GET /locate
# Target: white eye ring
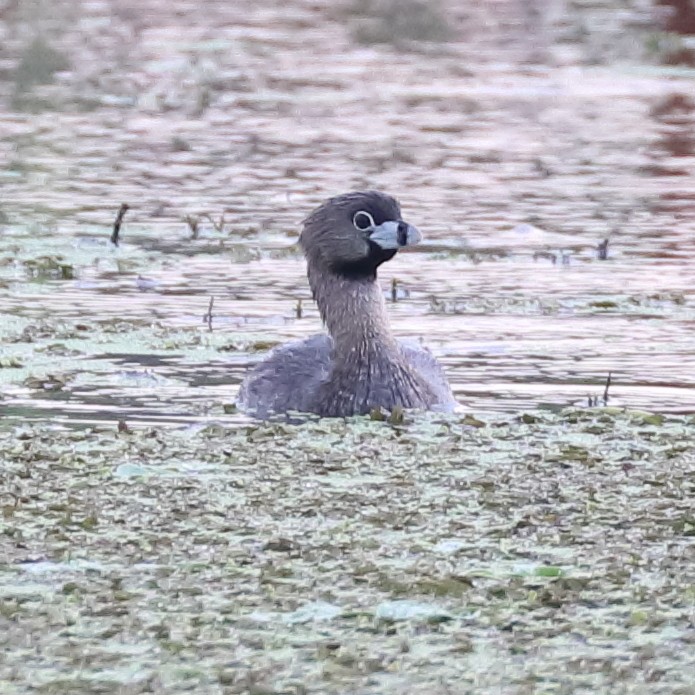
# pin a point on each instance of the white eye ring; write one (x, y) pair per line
(363, 221)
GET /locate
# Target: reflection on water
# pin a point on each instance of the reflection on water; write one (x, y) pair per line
(513, 333)
(515, 176)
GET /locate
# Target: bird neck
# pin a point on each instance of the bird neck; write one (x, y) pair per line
(354, 313)
(368, 368)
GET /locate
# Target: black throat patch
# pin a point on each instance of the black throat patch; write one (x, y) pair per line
(365, 268)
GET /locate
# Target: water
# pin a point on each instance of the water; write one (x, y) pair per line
(516, 158)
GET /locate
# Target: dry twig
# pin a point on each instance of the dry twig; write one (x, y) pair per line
(207, 317)
(117, 224)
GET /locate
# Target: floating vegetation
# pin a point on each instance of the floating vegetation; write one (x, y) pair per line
(342, 548)
(38, 64)
(49, 267)
(398, 22)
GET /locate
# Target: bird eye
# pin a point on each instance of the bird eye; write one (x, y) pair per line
(363, 221)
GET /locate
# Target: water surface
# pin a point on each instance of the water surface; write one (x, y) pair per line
(515, 164)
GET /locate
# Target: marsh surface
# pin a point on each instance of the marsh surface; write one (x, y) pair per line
(552, 554)
(525, 549)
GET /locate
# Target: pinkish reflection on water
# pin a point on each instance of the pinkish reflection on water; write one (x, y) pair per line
(517, 157)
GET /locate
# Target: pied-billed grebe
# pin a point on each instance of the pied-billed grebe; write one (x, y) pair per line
(359, 365)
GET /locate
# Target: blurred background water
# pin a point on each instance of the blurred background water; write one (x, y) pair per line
(546, 149)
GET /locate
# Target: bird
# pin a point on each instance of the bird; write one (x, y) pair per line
(358, 366)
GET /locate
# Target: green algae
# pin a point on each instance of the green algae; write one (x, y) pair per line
(335, 561)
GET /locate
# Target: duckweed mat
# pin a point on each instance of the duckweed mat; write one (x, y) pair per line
(548, 553)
